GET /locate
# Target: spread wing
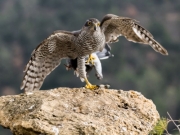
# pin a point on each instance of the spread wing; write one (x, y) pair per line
(114, 26)
(46, 57)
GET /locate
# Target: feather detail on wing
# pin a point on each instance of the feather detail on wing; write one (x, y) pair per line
(46, 57)
(114, 26)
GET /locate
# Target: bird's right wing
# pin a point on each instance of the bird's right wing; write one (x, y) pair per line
(46, 57)
(114, 26)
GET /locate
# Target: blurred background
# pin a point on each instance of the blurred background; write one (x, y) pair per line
(25, 23)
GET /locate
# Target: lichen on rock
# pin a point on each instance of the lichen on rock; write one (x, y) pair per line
(76, 111)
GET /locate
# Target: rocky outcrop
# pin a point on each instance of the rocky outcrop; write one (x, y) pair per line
(78, 111)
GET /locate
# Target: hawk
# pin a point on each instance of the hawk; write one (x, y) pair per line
(91, 38)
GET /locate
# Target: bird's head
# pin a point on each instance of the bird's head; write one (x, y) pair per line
(92, 24)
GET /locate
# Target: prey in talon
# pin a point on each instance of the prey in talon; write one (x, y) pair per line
(97, 57)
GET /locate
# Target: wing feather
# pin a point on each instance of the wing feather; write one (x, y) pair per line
(114, 26)
(46, 57)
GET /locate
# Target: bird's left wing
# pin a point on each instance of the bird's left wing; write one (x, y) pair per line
(114, 26)
(46, 57)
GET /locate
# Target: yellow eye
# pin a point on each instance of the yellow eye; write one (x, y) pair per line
(89, 23)
(98, 24)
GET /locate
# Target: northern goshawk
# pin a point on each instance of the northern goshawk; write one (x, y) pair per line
(90, 38)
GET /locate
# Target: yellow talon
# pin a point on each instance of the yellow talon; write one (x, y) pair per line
(90, 59)
(90, 86)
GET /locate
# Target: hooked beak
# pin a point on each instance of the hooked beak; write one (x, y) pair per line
(95, 26)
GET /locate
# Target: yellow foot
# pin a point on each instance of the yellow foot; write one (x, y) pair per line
(90, 59)
(91, 87)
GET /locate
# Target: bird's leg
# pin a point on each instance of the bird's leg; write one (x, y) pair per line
(90, 59)
(90, 86)
(82, 73)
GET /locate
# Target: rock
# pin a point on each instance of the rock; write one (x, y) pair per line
(78, 111)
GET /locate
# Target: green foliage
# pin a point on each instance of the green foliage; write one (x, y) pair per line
(160, 127)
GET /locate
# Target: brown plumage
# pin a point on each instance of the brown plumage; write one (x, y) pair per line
(46, 57)
(78, 44)
(115, 26)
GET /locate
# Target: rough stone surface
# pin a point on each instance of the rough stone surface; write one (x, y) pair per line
(78, 111)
